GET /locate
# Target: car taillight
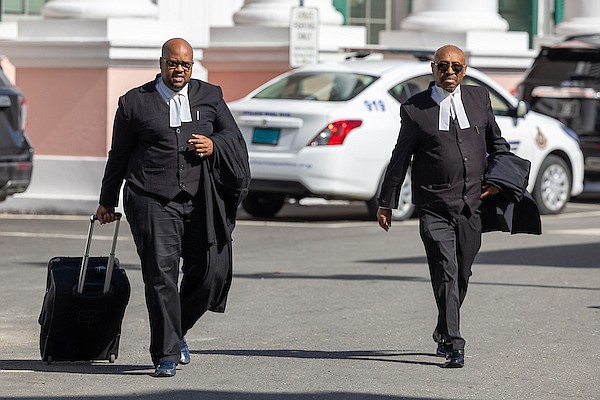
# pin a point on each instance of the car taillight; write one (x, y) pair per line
(23, 116)
(335, 133)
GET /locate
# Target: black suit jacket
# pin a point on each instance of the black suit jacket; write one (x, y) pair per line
(151, 155)
(447, 166)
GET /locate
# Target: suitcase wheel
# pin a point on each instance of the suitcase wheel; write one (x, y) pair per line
(112, 358)
(49, 360)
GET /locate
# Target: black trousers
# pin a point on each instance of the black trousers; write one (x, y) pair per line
(164, 232)
(451, 244)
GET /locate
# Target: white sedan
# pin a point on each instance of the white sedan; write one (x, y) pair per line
(328, 131)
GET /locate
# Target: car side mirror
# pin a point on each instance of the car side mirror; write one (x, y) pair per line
(522, 109)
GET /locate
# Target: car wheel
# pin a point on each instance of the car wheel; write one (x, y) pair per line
(405, 208)
(260, 204)
(552, 188)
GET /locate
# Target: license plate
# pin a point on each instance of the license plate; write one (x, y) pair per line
(266, 136)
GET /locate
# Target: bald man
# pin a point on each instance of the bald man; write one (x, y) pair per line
(446, 131)
(185, 167)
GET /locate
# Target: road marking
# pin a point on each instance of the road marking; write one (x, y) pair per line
(583, 214)
(320, 225)
(38, 235)
(16, 371)
(584, 232)
(46, 217)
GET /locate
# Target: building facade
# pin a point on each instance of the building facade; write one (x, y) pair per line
(74, 58)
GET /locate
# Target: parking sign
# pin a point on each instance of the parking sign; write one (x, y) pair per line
(304, 28)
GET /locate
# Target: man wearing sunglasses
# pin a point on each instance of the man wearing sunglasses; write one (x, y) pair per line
(185, 166)
(446, 131)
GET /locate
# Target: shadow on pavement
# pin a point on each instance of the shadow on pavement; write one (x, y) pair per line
(366, 355)
(222, 395)
(355, 211)
(335, 277)
(382, 277)
(567, 256)
(79, 367)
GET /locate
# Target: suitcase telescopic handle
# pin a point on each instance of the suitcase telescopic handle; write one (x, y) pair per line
(86, 255)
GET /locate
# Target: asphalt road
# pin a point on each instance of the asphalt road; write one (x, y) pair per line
(326, 305)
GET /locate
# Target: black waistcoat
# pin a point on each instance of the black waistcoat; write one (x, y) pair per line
(150, 154)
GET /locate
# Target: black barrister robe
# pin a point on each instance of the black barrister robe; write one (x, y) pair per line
(224, 183)
(513, 209)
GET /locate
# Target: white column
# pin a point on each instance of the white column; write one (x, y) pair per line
(580, 16)
(455, 16)
(99, 9)
(276, 13)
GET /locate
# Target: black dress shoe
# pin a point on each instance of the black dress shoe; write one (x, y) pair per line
(443, 349)
(456, 359)
(185, 352)
(165, 369)
(444, 344)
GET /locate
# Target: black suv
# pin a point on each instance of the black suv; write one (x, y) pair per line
(564, 82)
(16, 153)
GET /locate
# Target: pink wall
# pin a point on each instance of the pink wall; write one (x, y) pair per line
(120, 81)
(66, 109)
(71, 110)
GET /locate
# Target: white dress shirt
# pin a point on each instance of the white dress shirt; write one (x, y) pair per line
(451, 107)
(179, 103)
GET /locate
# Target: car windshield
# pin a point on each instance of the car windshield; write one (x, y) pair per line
(322, 86)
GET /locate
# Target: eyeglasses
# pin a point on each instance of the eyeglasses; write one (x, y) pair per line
(186, 65)
(443, 67)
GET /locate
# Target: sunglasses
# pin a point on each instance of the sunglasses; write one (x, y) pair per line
(186, 65)
(444, 66)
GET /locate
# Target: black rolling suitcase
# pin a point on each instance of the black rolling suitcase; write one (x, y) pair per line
(83, 306)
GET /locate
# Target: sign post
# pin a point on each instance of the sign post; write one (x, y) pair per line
(304, 30)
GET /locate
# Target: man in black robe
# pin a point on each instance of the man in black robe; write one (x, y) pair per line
(447, 132)
(185, 167)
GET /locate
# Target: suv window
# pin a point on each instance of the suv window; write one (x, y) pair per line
(323, 86)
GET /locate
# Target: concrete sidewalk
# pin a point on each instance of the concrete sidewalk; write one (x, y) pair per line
(331, 310)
